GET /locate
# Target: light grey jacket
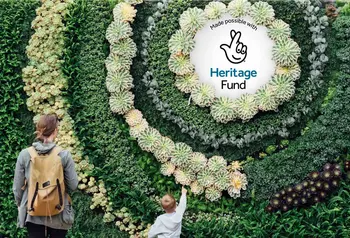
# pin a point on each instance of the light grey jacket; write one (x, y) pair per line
(169, 225)
(65, 219)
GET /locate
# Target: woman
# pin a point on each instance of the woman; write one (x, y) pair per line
(39, 226)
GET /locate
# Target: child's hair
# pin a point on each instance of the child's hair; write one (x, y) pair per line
(168, 202)
(46, 125)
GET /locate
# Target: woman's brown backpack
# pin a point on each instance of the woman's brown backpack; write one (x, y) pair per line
(46, 188)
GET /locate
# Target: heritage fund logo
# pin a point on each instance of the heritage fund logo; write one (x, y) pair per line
(236, 51)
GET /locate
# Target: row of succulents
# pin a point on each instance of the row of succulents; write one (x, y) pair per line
(45, 85)
(317, 59)
(285, 53)
(178, 159)
(316, 188)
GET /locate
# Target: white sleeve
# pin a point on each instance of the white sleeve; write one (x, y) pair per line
(180, 210)
(153, 232)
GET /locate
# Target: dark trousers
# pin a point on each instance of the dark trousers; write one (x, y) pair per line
(38, 231)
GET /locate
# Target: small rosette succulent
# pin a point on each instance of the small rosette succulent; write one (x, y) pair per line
(118, 81)
(205, 178)
(285, 52)
(192, 20)
(181, 155)
(124, 12)
(133, 117)
(217, 164)
(180, 64)
(203, 95)
(135, 131)
(293, 71)
(222, 180)
(184, 176)
(279, 29)
(262, 13)
(198, 162)
(149, 139)
(223, 110)
(181, 42)
(266, 98)
(284, 87)
(125, 47)
(238, 182)
(238, 8)
(214, 10)
(186, 83)
(118, 30)
(122, 102)
(246, 106)
(116, 62)
(167, 169)
(164, 149)
(212, 194)
(196, 188)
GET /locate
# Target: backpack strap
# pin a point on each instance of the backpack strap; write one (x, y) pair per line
(32, 152)
(56, 150)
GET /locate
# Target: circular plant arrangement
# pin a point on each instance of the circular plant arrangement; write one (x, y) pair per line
(212, 175)
(285, 54)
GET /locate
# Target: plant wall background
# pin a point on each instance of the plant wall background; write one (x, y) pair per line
(277, 149)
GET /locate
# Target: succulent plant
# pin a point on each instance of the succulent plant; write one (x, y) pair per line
(133, 117)
(205, 178)
(326, 175)
(196, 188)
(292, 71)
(223, 110)
(262, 13)
(279, 29)
(134, 2)
(164, 149)
(118, 81)
(238, 182)
(181, 155)
(149, 139)
(118, 30)
(186, 83)
(192, 20)
(283, 86)
(314, 175)
(125, 47)
(167, 169)
(181, 42)
(203, 95)
(222, 180)
(327, 167)
(234, 166)
(266, 98)
(275, 203)
(122, 102)
(217, 164)
(246, 106)
(124, 12)
(180, 64)
(135, 131)
(239, 8)
(214, 10)
(285, 52)
(184, 176)
(116, 62)
(212, 194)
(197, 162)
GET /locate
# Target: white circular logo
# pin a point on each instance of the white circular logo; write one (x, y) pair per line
(234, 55)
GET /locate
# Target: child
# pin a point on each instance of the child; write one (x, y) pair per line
(169, 224)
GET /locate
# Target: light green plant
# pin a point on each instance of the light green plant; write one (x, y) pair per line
(285, 52)
(184, 176)
(279, 29)
(217, 164)
(180, 64)
(124, 12)
(125, 47)
(133, 117)
(198, 162)
(196, 188)
(283, 86)
(266, 98)
(293, 71)
(181, 155)
(247, 106)
(149, 139)
(118, 81)
(214, 10)
(167, 169)
(223, 109)
(192, 20)
(222, 180)
(164, 149)
(181, 42)
(186, 83)
(212, 194)
(122, 102)
(239, 8)
(116, 62)
(203, 95)
(262, 13)
(118, 30)
(135, 131)
(205, 178)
